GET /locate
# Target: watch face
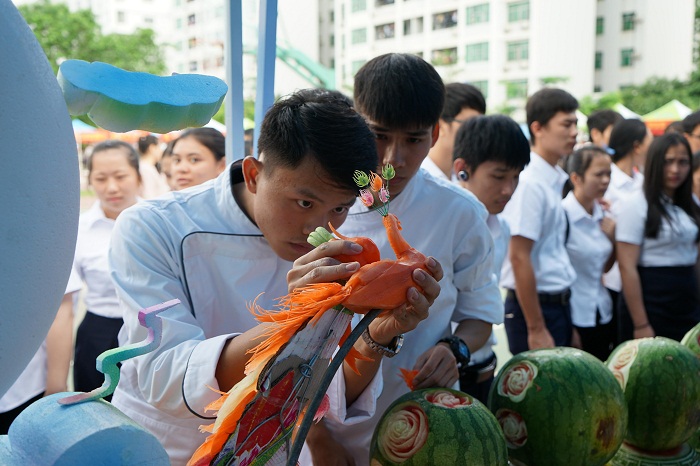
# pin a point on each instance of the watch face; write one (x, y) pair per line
(463, 351)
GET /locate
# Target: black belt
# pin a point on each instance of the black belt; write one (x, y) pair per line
(548, 298)
(477, 373)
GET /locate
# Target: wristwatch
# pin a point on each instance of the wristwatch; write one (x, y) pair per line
(460, 351)
(387, 351)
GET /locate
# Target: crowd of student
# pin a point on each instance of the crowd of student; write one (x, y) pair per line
(491, 209)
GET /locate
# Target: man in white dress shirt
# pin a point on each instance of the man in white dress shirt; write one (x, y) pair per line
(538, 273)
(462, 102)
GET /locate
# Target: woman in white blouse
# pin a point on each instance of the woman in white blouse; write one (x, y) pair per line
(589, 243)
(657, 245)
(113, 173)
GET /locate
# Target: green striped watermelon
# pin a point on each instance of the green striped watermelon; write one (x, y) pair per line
(661, 381)
(559, 406)
(692, 341)
(437, 426)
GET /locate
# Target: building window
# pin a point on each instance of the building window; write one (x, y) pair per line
(331, 40)
(598, 60)
(148, 20)
(598, 88)
(445, 20)
(599, 25)
(178, 23)
(331, 16)
(518, 11)
(358, 5)
(483, 86)
(383, 2)
(384, 31)
(413, 26)
(191, 20)
(442, 57)
(478, 14)
(626, 57)
(192, 42)
(628, 21)
(193, 66)
(518, 50)
(477, 52)
(356, 65)
(516, 89)
(121, 17)
(358, 36)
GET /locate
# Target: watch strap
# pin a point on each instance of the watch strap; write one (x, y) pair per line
(387, 351)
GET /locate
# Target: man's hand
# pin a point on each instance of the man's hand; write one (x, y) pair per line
(437, 367)
(539, 338)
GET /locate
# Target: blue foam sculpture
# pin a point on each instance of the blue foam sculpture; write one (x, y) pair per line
(94, 433)
(120, 100)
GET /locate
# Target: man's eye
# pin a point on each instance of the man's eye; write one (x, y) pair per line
(340, 210)
(304, 204)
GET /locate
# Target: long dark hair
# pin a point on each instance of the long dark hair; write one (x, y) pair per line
(625, 136)
(578, 162)
(654, 184)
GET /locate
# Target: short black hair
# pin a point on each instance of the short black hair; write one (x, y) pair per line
(145, 142)
(495, 138)
(625, 134)
(654, 184)
(459, 96)
(322, 125)
(691, 122)
(399, 91)
(545, 103)
(132, 157)
(675, 127)
(210, 138)
(602, 119)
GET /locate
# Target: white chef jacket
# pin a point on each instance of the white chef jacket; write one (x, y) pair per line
(589, 249)
(198, 246)
(447, 222)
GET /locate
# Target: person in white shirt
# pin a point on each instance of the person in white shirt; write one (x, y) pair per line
(439, 219)
(691, 130)
(198, 155)
(152, 183)
(538, 273)
(657, 245)
(696, 178)
(629, 142)
(113, 174)
(489, 154)
(462, 102)
(218, 245)
(600, 124)
(47, 371)
(589, 243)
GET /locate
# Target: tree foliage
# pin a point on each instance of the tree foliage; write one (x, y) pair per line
(76, 35)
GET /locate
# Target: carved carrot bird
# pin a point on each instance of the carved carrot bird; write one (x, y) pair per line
(257, 418)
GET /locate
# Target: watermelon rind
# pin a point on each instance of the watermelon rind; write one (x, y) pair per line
(661, 381)
(437, 426)
(572, 412)
(627, 456)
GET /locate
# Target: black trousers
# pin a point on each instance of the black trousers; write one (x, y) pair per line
(8, 417)
(557, 318)
(599, 340)
(96, 334)
(670, 297)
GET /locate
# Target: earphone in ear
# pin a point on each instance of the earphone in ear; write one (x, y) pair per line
(462, 175)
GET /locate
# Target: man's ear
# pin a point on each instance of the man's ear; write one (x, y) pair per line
(436, 133)
(535, 128)
(252, 168)
(459, 165)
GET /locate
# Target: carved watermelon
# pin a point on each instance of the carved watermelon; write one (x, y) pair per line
(661, 381)
(559, 406)
(437, 426)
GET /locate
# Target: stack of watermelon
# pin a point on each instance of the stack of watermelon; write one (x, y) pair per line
(559, 406)
(437, 426)
(661, 382)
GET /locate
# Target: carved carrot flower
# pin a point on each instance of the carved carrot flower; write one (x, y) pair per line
(384, 195)
(361, 179)
(366, 197)
(376, 182)
(376, 185)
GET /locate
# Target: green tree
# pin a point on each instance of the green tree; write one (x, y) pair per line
(76, 35)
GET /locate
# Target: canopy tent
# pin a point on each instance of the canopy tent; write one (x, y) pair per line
(657, 120)
(625, 112)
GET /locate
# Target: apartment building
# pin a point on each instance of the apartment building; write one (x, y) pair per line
(511, 48)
